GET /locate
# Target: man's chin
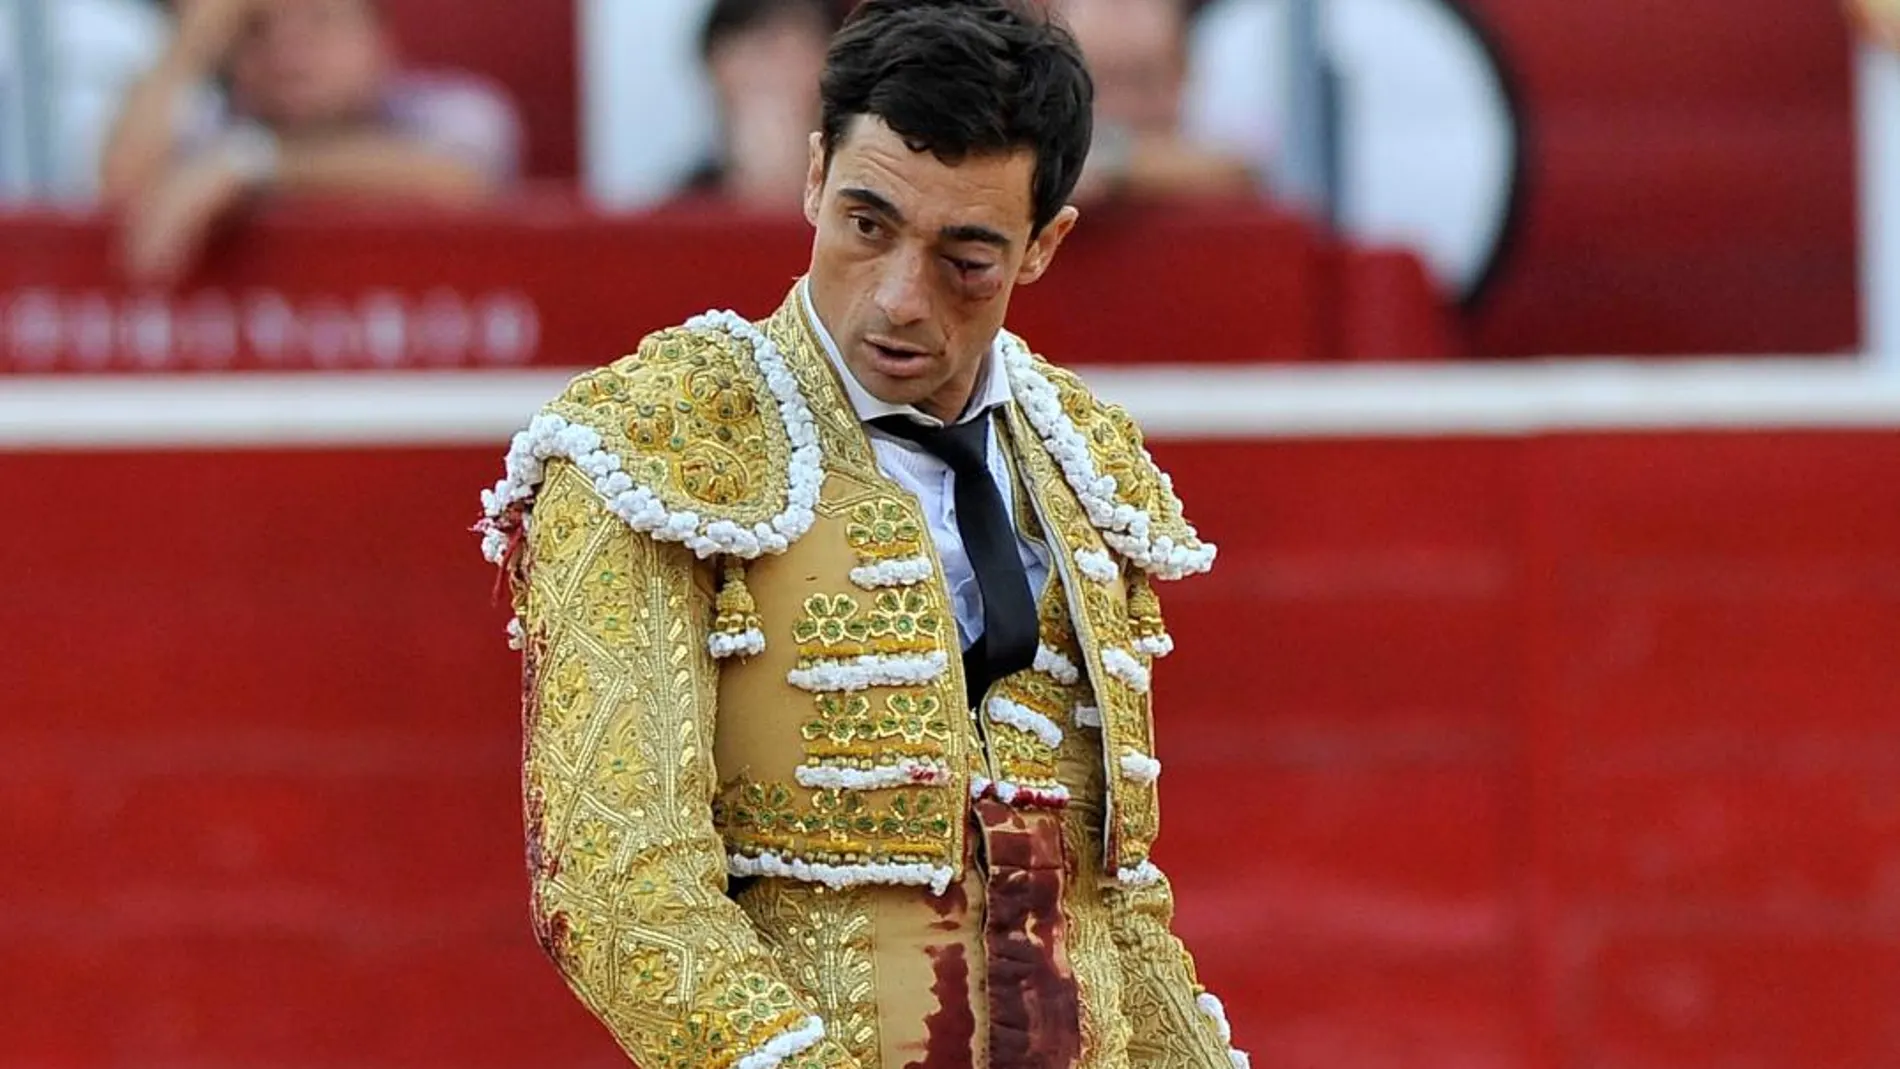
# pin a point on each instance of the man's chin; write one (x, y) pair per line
(895, 389)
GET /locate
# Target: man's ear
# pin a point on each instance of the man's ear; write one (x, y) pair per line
(815, 178)
(1042, 248)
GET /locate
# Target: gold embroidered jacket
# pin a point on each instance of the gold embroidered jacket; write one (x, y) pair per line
(763, 828)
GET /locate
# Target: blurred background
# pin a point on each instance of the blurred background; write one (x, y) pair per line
(1536, 365)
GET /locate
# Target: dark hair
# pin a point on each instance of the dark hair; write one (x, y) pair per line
(966, 77)
(730, 18)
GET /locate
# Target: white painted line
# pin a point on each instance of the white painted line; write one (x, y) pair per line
(1172, 403)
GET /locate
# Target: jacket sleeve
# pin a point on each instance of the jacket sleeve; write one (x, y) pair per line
(1177, 1023)
(628, 872)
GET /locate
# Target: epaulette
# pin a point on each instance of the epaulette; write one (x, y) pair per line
(1128, 498)
(700, 437)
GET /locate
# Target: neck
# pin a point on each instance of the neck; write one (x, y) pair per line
(950, 403)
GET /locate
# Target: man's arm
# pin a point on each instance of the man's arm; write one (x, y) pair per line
(628, 871)
(167, 226)
(384, 166)
(145, 135)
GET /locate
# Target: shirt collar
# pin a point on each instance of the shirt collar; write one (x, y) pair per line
(992, 385)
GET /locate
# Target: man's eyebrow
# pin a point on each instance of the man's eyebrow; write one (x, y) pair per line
(982, 235)
(877, 202)
(882, 205)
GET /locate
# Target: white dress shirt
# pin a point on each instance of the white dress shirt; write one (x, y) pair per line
(907, 464)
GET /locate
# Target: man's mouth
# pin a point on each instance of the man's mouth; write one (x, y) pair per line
(897, 359)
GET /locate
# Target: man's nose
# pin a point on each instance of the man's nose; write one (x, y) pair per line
(903, 294)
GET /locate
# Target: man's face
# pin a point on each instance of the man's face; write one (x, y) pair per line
(1137, 53)
(915, 260)
(310, 62)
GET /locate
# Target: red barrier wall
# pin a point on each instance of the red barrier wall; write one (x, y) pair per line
(1690, 181)
(1574, 750)
(542, 281)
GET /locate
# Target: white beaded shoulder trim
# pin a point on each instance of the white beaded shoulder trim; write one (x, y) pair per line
(785, 1045)
(550, 436)
(915, 874)
(1123, 526)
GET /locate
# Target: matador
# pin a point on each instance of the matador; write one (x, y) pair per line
(838, 627)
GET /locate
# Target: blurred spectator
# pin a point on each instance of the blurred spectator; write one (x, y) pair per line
(1138, 52)
(64, 66)
(763, 58)
(308, 99)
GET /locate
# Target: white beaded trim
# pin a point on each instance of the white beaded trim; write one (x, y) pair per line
(886, 573)
(549, 436)
(870, 670)
(1211, 1007)
(517, 635)
(1123, 666)
(747, 643)
(1096, 565)
(1140, 768)
(1157, 646)
(1021, 797)
(909, 772)
(1087, 716)
(1023, 718)
(1057, 666)
(785, 1045)
(915, 874)
(1142, 875)
(1124, 527)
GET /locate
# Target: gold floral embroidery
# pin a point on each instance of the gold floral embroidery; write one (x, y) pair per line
(1023, 759)
(840, 827)
(831, 621)
(913, 718)
(899, 622)
(691, 417)
(905, 617)
(884, 529)
(845, 727)
(824, 938)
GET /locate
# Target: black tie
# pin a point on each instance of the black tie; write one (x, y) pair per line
(1008, 641)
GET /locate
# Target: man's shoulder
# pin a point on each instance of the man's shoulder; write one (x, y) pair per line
(1105, 457)
(676, 365)
(687, 439)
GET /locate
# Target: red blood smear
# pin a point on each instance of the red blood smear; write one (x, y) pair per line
(1035, 1011)
(950, 1031)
